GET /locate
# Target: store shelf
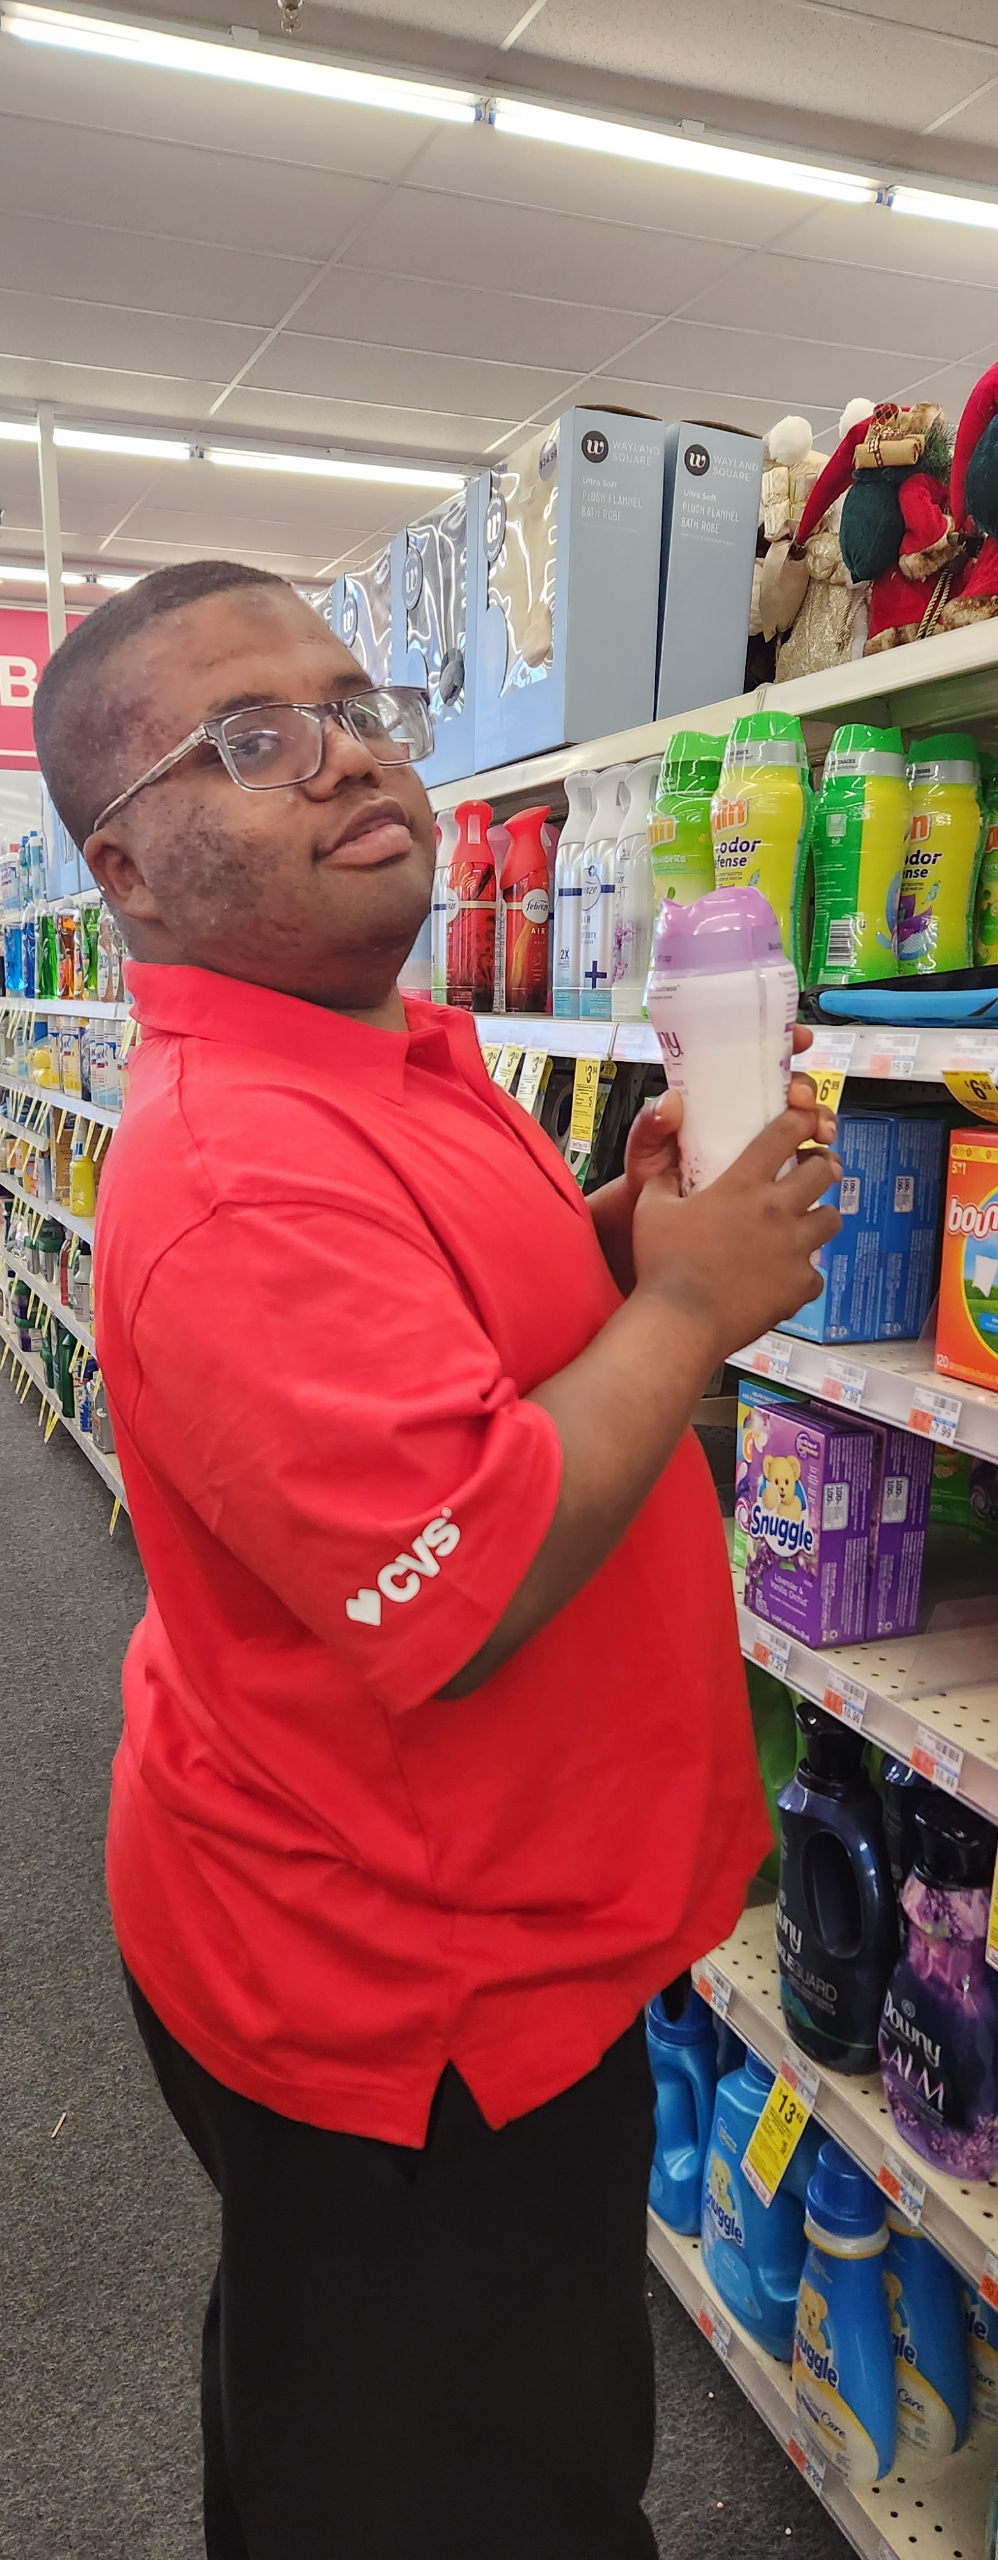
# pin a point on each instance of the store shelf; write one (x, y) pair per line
(888, 1380)
(50, 1298)
(948, 678)
(919, 2509)
(107, 1468)
(56, 1100)
(883, 1054)
(888, 1689)
(47, 1208)
(962, 2220)
(79, 1007)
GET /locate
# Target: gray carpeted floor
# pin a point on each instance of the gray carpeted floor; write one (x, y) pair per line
(107, 2230)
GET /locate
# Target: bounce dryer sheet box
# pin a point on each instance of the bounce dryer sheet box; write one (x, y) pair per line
(568, 598)
(710, 520)
(912, 1229)
(436, 574)
(901, 1500)
(808, 1534)
(851, 1267)
(967, 1325)
(359, 610)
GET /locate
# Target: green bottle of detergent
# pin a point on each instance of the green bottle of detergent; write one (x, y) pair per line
(942, 856)
(682, 851)
(986, 907)
(761, 817)
(860, 831)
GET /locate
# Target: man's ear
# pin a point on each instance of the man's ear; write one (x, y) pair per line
(119, 878)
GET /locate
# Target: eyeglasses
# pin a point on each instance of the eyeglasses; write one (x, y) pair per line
(276, 743)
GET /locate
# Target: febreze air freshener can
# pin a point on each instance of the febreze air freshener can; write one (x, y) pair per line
(942, 856)
(760, 817)
(860, 831)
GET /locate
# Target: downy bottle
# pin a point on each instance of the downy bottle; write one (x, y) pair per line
(836, 1918)
(682, 2052)
(939, 2031)
(598, 877)
(904, 1790)
(565, 958)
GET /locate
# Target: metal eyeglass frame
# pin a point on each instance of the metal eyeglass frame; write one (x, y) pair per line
(211, 733)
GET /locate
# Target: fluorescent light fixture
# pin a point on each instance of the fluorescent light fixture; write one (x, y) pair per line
(105, 579)
(151, 448)
(677, 151)
(974, 210)
(320, 467)
(32, 576)
(305, 75)
(11, 432)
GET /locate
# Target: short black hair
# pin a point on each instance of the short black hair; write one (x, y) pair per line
(80, 739)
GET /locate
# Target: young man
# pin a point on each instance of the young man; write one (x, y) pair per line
(436, 1758)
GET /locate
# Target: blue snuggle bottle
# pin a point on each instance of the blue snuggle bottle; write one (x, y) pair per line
(683, 2056)
(753, 2253)
(931, 2358)
(843, 2363)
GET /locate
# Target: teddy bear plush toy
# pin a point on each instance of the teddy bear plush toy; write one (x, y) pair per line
(974, 488)
(897, 528)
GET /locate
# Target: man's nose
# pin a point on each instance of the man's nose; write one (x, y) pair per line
(344, 759)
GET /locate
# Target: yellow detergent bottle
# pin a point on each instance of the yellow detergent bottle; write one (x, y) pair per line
(761, 817)
(82, 1185)
(942, 856)
(679, 826)
(986, 905)
(860, 833)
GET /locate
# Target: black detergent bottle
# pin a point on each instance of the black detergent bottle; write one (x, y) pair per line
(904, 1790)
(836, 1916)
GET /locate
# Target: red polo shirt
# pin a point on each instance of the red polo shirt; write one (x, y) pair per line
(331, 1264)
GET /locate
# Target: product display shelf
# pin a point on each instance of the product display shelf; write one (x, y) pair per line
(107, 1468)
(49, 1297)
(57, 1100)
(893, 1381)
(78, 1007)
(921, 2507)
(894, 1691)
(742, 1983)
(943, 681)
(46, 1208)
(884, 1054)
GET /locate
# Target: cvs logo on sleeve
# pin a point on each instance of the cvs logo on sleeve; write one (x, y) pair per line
(405, 1575)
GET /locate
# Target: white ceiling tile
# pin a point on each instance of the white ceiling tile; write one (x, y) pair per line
(262, 529)
(417, 434)
(465, 242)
(679, 400)
(142, 273)
(463, 320)
(64, 171)
(88, 333)
(950, 384)
(977, 122)
(233, 498)
(851, 305)
(792, 372)
(973, 18)
(83, 391)
(342, 369)
(477, 161)
(897, 243)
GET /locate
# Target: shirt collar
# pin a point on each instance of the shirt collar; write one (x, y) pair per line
(203, 1004)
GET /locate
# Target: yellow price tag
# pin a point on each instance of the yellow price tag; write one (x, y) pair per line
(788, 2107)
(491, 1057)
(534, 1077)
(585, 1091)
(974, 1089)
(505, 1073)
(828, 1082)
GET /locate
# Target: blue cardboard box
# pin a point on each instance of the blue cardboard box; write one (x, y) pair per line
(710, 521)
(912, 1231)
(851, 1266)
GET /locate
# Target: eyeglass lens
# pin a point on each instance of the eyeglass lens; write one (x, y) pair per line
(280, 743)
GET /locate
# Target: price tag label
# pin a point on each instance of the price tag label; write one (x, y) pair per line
(789, 2105)
(770, 1649)
(901, 2186)
(534, 1076)
(712, 1987)
(771, 1355)
(845, 1698)
(585, 1091)
(491, 1057)
(810, 2464)
(935, 1415)
(988, 2286)
(504, 1072)
(843, 1383)
(828, 1082)
(896, 1055)
(716, 2329)
(939, 1761)
(974, 1088)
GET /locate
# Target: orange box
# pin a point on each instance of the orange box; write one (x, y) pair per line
(967, 1330)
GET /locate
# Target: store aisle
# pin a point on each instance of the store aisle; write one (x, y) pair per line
(108, 2229)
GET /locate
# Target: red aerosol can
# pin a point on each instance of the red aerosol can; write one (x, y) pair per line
(471, 911)
(526, 915)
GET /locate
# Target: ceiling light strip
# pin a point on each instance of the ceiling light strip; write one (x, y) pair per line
(678, 151)
(319, 466)
(303, 75)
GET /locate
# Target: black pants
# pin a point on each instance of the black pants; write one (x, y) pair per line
(426, 2355)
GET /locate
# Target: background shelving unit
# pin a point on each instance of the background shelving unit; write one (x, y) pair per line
(106, 1467)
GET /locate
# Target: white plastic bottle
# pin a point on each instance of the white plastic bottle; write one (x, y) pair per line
(634, 894)
(568, 894)
(446, 840)
(723, 998)
(598, 885)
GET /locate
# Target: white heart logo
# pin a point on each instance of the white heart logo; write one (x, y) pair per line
(366, 1608)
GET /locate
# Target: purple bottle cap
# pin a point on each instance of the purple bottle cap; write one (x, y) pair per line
(726, 929)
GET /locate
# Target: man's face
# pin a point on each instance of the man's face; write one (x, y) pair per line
(318, 889)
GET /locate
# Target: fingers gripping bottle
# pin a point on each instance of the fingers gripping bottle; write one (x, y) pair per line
(761, 817)
(860, 831)
(633, 896)
(722, 998)
(565, 956)
(942, 856)
(447, 834)
(682, 847)
(471, 911)
(526, 915)
(598, 888)
(843, 2361)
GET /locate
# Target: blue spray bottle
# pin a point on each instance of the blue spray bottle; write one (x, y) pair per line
(683, 2056)
(753, 2252)
(931, 2363)
(843, 2361)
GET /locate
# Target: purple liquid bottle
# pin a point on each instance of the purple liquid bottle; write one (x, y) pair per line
(939, 2028)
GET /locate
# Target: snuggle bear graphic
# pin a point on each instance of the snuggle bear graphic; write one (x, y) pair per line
(812, 2312)
(782, 1491)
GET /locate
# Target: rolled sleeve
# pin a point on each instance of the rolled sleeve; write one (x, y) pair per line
(318, 1389)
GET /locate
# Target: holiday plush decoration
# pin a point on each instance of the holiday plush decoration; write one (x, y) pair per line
(831, 625)
(790, 469)
(896, 529)
(975, 503)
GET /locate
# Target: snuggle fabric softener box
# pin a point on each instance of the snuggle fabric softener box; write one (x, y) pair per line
(900, 1519)
(808, 1531)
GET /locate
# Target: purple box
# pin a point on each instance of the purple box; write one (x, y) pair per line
(902, 1492)
(808, 1539)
